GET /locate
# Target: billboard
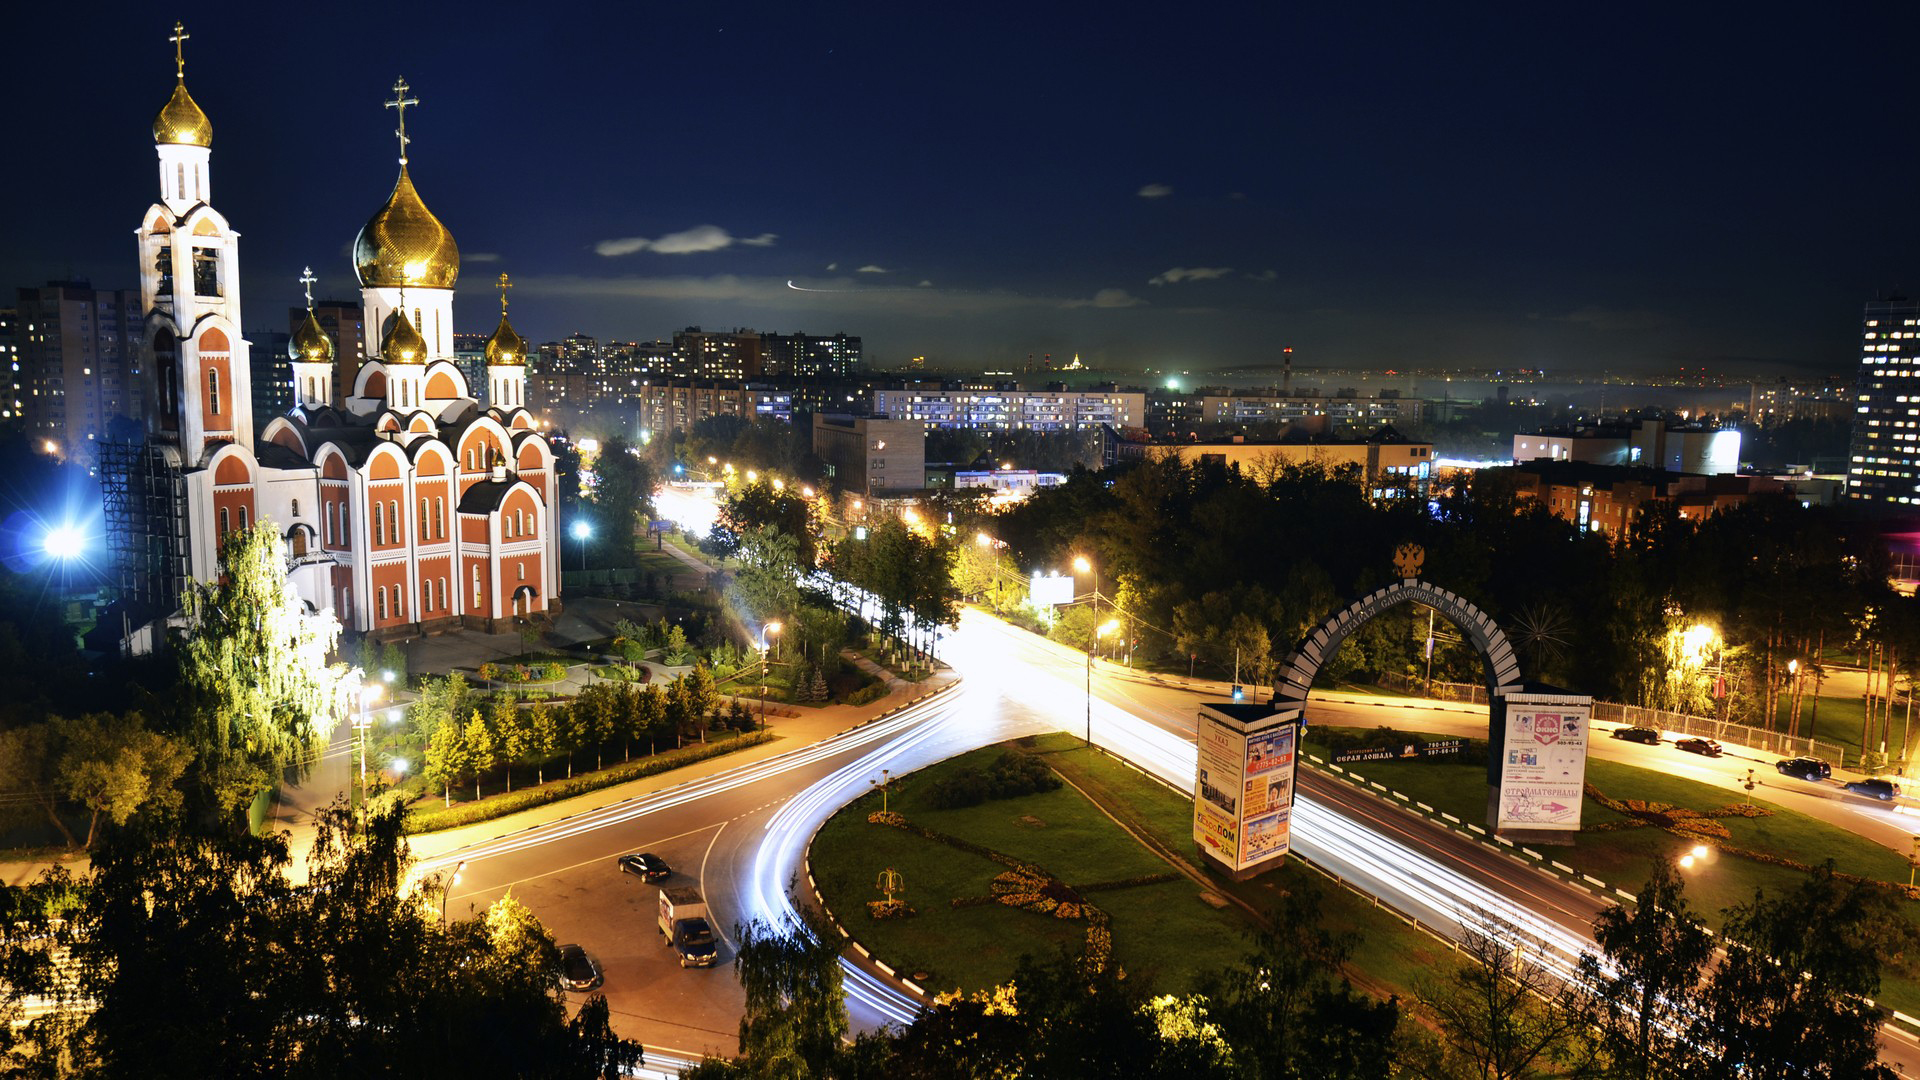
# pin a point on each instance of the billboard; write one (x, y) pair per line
(1243, 784)
(1544, 770)
(1051, 590)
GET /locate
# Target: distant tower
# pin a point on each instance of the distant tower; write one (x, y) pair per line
(506, 361)
(1884, 471)
(190, 287)
(311, 352)
(1286, 371)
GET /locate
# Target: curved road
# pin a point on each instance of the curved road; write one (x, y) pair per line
(741, 835)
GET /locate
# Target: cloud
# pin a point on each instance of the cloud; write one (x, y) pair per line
(688, 242)
(873, 268)
(480, 256)
(1601, 318)
(1155, 191)
(1264, 275)
(831, 267)
(1190, 273)
(1109, 298)
(925, 285)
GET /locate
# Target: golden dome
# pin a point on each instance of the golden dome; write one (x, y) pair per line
(181, 120)
(505, 346)
(401, 343)
(310, 344)
(404, 245)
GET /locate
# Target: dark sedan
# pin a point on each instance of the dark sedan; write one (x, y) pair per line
(1704, 747)
(578, 969)
(1806, 768)
(1647, 735)
(1874, 788)
(650, 867)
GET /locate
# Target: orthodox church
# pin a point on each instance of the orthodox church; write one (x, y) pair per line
(405, 508)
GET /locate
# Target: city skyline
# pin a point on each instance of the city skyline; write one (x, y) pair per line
(1189, 196)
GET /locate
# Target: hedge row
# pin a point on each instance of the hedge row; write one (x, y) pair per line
(426, 818)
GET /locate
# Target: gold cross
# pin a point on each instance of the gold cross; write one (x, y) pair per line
(399, 104)
(180, 35)
(504, 286)
(307, 279)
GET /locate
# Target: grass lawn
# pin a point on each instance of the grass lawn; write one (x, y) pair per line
(1165, 933)
(1623, 858)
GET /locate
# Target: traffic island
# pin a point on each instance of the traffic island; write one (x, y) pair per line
(1061, 871)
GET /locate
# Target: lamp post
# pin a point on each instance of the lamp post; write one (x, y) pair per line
(1099, 632)
(581, 530)
(448, 888)
(1085, 566)
(369, 693)
(770, 630)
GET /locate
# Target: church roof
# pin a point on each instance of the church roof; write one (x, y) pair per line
(484, 497)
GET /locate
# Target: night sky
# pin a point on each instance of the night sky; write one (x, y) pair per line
(1579, 188)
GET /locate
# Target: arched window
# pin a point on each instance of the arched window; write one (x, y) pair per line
(508, 522)
(243, 517)
(180, 181)
(426, 523)
(476, 587)
(440, 516)
(296, 508)
(393, 519)
(443, 592)
(379, 525)
(213, 391)
(225, 526)
(383, 601)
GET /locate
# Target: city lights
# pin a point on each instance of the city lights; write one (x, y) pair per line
(64, 542)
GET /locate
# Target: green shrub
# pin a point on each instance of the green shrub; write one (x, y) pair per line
(1014, 774)
(867, 695)
(423, 819)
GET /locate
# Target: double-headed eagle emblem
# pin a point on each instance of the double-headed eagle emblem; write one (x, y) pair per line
(1408, 558)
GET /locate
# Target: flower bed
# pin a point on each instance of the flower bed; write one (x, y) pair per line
(552, 671)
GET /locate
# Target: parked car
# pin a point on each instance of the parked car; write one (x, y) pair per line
(1650, 736)
(649, 866)
(578, 969)
(1874, 788)
(1806, 768)
(1704, 747)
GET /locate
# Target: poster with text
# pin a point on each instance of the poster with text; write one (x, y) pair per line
(1543, 776)
(1216, 790)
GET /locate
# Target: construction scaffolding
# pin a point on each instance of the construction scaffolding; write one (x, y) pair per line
(143, 501)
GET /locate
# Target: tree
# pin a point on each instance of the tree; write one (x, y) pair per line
(623, 497)
(446, 758)
(509, 726)
(767, 579)
(1790, 997)
(542, 740)
(570, 732)
(697, 697)
(650, 708)
(480, 750)
(113, 765)
(1641, 998)
(345, 973)
(28, 756)
(761, 506)
(795, 1013)
(258, 690)
(597, 711)
(1498, 1010)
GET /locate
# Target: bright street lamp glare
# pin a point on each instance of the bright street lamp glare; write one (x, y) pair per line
(1109, 627)
(387, 675)
(1686, 862)
(1081, 564)
(1699, 851)
(400, 766)
(64, 542)
(582, 530)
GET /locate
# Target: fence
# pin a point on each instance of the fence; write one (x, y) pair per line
(1753, 738)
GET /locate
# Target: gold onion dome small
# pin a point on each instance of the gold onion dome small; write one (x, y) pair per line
(403, 244)
(310, 343)
(181, 121)
(505, 346)
(402, 344)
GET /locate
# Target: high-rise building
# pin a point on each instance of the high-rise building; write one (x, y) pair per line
(703, 354)
(1884, 459)
(272, 372)
(80, 350)
(872, 455)
(809, 356)
(10, 405)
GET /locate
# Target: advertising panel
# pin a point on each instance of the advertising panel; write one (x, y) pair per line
(1051, 590)
(1267, 795)
(1543, 776)
(1216, 792)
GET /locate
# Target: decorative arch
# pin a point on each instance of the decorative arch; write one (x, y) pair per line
(231, 467)
(1297, 671)
(385, 463)
(440, 387)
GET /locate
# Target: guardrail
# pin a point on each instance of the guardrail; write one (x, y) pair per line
(1759, 740)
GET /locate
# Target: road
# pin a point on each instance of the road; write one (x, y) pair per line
(741, 835)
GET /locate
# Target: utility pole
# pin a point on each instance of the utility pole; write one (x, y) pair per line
(1429, 652)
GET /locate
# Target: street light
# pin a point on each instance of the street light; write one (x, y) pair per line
(772, 629)
(1099, 632)
(64, 542)
(448, 888)
(1085, 566)
(581, 530)
(369, 693)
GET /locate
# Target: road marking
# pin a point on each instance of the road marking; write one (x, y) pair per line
(617, 852)
(703, 876)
